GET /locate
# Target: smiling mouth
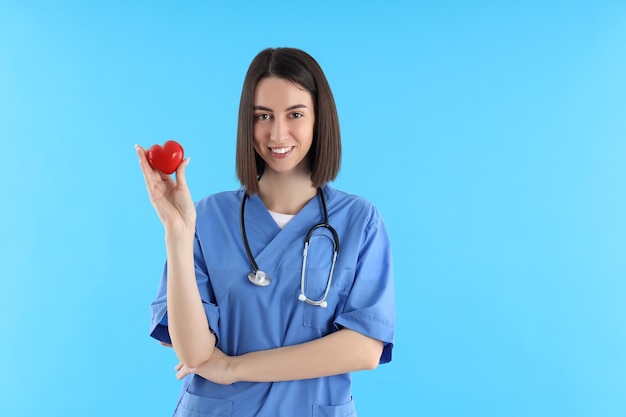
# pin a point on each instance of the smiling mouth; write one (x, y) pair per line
(281, 151)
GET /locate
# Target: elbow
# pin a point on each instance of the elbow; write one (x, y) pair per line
(366, 351)
(195, 358)
(371, 358)
(193, 353)
(371, 363)
(194, 364)
(194, 361)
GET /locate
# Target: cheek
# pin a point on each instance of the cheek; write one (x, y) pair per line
(305, 132)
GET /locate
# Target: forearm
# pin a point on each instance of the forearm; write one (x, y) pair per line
(189, 330)
(340, 352)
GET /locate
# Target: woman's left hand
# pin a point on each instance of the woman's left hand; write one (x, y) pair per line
(217, 369)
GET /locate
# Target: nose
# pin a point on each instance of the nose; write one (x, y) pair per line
(279, 130)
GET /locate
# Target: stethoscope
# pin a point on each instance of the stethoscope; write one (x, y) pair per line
(260, 278)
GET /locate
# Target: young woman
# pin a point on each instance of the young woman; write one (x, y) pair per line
(273, 294)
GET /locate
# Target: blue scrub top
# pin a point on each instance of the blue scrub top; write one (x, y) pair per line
(247, 318)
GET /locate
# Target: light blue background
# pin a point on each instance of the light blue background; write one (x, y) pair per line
(491, 135)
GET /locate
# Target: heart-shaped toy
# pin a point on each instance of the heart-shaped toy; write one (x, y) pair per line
(165, 158)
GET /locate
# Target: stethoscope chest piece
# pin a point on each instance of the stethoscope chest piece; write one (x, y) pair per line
(259, 278)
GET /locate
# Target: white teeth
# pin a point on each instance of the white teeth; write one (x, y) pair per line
(282, 150)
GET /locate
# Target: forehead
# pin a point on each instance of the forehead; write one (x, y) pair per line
(279, 92)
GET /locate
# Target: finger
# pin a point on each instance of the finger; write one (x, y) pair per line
(142, 154)
(150, 175)
(166, 178)
(140, 150)
(181, 179)
(153, 177)
(179, 366)
(165, 344)
(183, 373)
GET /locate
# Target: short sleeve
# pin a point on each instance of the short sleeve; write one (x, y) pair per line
(370, 307)
(159, 327)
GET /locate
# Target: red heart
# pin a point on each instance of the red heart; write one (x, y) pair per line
(166, 158)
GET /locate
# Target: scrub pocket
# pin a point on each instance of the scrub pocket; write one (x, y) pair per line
(315, 285)
(191, 405)
(344, 410)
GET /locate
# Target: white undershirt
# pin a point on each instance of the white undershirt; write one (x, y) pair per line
(281, 219)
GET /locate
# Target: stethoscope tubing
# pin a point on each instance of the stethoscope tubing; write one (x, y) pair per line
(242, 225)
(260, 278)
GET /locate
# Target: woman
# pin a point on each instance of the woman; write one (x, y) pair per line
(262, 329)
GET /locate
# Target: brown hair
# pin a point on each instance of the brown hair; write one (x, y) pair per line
(302, 69)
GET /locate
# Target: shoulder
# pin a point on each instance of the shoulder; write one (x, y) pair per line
(222, 201)
(342, 200)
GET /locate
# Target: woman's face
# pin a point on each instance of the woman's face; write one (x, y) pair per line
(284, 119)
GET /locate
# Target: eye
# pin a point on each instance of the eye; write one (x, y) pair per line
(262, 116)
(296, 115)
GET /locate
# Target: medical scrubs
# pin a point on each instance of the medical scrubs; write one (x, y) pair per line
(247, 318)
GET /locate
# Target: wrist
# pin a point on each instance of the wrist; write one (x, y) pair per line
(233, 369)
(175, 234)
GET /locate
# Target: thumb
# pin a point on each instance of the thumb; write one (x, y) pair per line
(180, 173)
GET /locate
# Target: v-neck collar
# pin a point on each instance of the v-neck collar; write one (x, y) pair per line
(266, 238)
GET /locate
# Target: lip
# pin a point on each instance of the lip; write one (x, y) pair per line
(282, 155)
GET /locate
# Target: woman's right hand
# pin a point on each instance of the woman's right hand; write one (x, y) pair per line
(171, 198)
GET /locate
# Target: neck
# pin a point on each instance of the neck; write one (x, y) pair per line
(285, 194)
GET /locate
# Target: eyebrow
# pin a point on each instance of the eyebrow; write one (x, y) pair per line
(295, 106)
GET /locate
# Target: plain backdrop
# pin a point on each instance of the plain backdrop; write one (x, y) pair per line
(491, 136)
